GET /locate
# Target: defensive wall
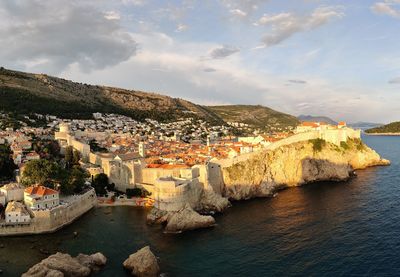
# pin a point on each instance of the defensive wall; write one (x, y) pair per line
(51, 220)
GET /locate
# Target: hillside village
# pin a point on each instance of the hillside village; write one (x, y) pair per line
(148, 163)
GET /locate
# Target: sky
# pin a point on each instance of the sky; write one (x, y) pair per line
(334, 58)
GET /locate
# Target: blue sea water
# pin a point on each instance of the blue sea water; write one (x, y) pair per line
(325, 229)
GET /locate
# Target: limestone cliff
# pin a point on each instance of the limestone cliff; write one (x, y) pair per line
(296, 164)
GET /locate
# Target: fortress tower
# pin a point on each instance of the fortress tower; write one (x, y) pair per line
(142, 150)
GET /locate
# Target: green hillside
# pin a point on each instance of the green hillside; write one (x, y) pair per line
(393, 127)
(25, 93)
(256, 116)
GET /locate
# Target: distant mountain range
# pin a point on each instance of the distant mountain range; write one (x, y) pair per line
(364, 125)
(25, 93)
(312, 118)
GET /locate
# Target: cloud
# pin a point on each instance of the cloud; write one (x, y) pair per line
(285, 25)
(386, 8)
(181, 28)
(242, 8)
(209, 69)
(180, 73)
(296, 81)
(57, 37)
(112, 15)
(223, 52)
(272, 19)
(134, 2)
(394, 80)
(238, 12)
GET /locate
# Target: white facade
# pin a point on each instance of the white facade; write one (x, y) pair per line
(40, 197)
(16, 213)
(2, 199)
(172, 194)
(13, 192)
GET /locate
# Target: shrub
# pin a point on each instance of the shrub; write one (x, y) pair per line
(344, 145)
(318, 144)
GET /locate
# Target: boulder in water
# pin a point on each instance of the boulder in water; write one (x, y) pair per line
(59, 265)
(143, 263)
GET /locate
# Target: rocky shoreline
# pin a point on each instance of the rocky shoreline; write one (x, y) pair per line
(142, 263)
(269, 171)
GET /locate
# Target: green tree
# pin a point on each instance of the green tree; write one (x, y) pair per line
(74, 182)
(7, 165)
(100, 182)
(43, 172)
(76, 157)
(69, 156)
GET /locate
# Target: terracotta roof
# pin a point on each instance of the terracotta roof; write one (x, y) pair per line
(40, 190)
(309, 124)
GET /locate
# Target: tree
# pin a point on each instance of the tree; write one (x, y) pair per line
(7, 165)
(43, 172)
(75, 181)
(100, 182)
(76, 157)
(69, 155)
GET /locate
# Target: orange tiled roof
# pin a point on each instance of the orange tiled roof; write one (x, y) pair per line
(309, 124)
(40, 190)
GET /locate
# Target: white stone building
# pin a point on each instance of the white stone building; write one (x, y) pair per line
(2, 199)
(13, 192)
(16, 213)
(172, 194)
(40, 197)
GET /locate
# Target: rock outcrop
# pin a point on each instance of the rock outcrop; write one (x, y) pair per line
(143, 263)
(294, 165)
(188, 219)
(61, 264)
(212, 202)
(183, 220)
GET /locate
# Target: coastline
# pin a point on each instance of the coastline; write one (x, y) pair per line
(382, 134)
(52, 220)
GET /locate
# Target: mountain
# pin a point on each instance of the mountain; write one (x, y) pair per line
(326, 119)
(393, 127)
(364, 125)
(255, 116)
(26, 93)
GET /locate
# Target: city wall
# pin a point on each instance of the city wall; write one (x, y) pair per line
(48, 221)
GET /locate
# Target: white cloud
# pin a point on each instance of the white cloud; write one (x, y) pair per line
(268, 19)
(170, 67)
(41, 30)
(134, 2)
(386, 8)
(285, 25)
(181, 28)
(242, 8)
(238, 12)
(112, 15)
(223, 52)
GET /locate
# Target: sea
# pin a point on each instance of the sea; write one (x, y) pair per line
(348, 228)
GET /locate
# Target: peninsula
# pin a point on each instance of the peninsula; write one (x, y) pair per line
(57, 167)
(391, 129)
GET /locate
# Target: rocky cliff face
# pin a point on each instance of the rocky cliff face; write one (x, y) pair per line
(296, 164)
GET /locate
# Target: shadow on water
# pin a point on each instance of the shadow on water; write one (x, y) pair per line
(331, 229)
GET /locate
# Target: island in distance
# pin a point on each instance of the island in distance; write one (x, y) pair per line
(183, 162)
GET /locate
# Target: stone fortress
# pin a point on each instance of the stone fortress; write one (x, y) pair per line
(173, 186)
